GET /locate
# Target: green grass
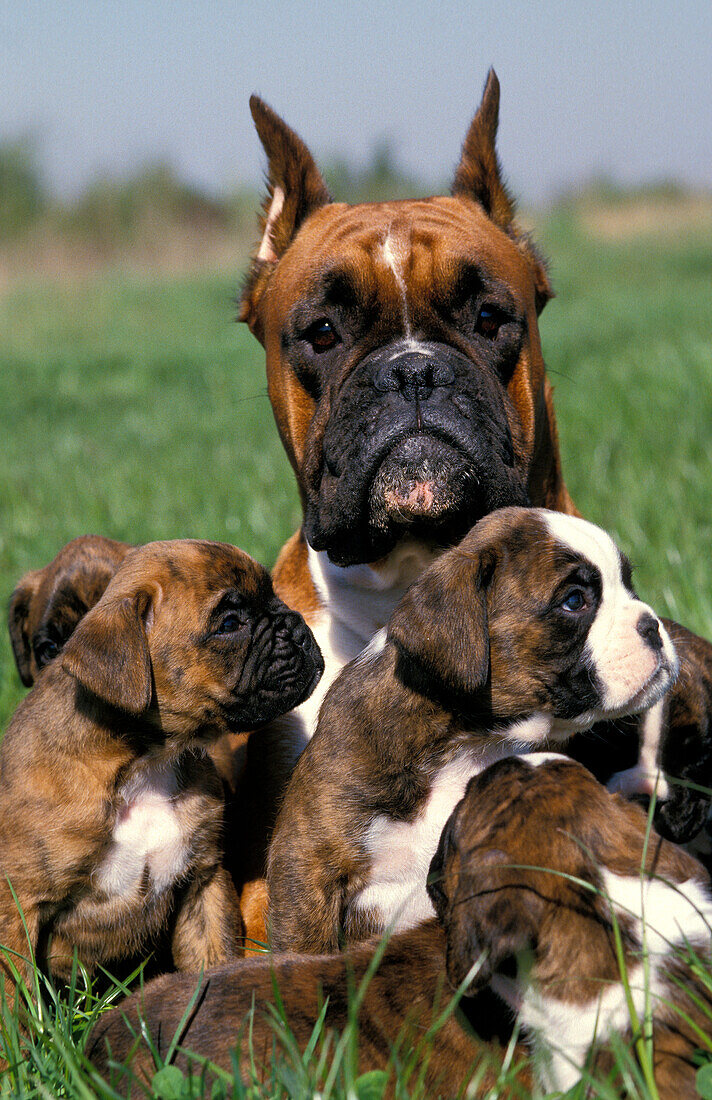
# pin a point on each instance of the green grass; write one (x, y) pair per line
(138, 409)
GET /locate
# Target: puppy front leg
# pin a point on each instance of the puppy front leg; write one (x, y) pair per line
(208, 928)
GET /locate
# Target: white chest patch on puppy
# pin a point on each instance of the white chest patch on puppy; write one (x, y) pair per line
(147, 841)
(401, 851)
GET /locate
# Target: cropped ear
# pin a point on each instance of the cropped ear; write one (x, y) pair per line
(440, 626)
(108, 652)
(493, 920)
(18, 614)
(295, 189)
(478, 174)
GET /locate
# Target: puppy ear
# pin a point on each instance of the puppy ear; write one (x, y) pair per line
(494, 920)
(108, 652)
(440, 626)
(18, 613)
(478, 174)
(295, 189)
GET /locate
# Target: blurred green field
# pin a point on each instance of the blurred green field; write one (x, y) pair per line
(138, 409)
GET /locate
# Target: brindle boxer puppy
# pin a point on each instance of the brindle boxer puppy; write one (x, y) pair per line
(524, 633)
(110, 809)
(48, 603)
(402, 1000)
(535, 865)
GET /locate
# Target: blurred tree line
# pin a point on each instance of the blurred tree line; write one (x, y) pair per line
(112, 209)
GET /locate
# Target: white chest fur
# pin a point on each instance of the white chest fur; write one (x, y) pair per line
(401, 851)
(357, 601)
(147, 840)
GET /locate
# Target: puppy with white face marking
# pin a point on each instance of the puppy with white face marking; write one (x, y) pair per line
(525, 632)
(535, 868)
(111, 812)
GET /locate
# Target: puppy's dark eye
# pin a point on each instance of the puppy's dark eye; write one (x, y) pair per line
(231, 622)
(45, 652)
(322, 335)
(489, 321)
(574, 600)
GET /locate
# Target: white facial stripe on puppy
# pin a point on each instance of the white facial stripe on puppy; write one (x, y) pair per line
(625, 664)
(266, 250)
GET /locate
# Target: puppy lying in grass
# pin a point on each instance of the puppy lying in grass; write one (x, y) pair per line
(526, 632)
(565, 896)
(48, 603)
(111, 813)
(398, 1008)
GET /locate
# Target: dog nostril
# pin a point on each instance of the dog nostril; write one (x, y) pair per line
(649, 629)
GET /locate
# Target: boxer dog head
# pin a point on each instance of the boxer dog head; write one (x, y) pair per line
(48, 603)
(190, 636)
(532, 620)
(403, 356)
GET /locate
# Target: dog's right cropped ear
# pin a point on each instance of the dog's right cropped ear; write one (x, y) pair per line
(295, 188)
(440, 627)
(108, 653)
(18, 614)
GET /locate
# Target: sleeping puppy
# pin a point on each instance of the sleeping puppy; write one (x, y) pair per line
(535, 868)
(403, 998)
(48, 603)
(524, 633)
(111, 812)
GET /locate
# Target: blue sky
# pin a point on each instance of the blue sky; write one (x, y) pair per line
(622, 88)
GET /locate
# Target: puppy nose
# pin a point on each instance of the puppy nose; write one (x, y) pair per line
(413, 375)
(298, 630)
(649, 629)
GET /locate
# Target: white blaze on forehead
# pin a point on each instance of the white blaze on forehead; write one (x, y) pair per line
(626, 664)
(266, 250)
(395, 251)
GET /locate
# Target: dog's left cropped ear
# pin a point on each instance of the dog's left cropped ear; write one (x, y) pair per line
(18, 614)
(440, 626)
(295, 189)
(108, 652)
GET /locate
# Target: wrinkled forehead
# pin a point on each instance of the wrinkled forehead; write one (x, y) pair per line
(193, 570)
(430, 239)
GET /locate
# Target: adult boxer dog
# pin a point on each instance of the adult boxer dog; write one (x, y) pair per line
(406, 376)
(405, 372)
(111, 812)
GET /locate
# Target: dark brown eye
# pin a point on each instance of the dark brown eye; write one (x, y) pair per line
(322, 335)
(489, 321)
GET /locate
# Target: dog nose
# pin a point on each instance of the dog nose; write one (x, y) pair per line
(413, 375)
(649, 629)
